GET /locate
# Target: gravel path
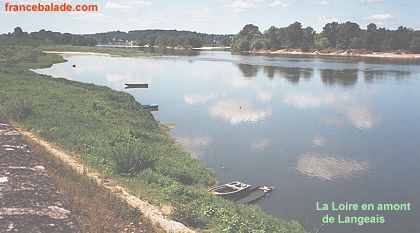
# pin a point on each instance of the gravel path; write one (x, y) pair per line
(29, 201)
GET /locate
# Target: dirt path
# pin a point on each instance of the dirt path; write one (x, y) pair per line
(29, 201)
(38, 196)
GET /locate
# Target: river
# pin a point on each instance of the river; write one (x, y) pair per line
(317, 129)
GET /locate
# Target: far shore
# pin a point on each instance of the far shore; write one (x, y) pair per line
(76, 53)
(341, 53)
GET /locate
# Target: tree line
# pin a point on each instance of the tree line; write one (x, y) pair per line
(160, 38)
(334, 35)
(163, 38)
(43, 37)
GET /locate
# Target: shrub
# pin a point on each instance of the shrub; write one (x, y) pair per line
(132, 157)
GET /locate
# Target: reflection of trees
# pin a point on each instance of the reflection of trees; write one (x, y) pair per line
(248, 71)
(346, 77)
(373, 75)
(170, 51)
(292, 74)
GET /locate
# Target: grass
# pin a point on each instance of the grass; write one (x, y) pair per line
(114, 134)
(96, 210)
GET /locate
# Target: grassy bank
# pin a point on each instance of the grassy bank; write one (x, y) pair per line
(97, 210)
(112, 133)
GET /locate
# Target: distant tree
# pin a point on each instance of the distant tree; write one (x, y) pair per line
(294, 35)
(308, 40)
(246, 38)
(260, 43)
(330, 30)
(321, 42)
(415, 44)
(18, 32)
(371, 40)
(401, 38)
(356, 43)
(347, 33)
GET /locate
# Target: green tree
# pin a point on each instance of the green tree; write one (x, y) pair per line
(330, 30)
(347, 33)
(415, 44)
(321, 42)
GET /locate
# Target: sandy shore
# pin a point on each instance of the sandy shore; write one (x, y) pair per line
(77, 53)
(342, 53)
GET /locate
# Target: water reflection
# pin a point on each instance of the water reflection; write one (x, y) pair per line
(248, 71)
(238, 111)
(195, 145)
(347, 77)
(261, 144)
(374, 75)
(327, 167)
(195, 99)
(361, 117)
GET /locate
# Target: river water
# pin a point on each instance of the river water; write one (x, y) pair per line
(317, 129)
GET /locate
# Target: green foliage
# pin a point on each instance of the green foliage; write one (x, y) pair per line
(334, 35)
(415, 44)
(44, 37)
(131, 156)
(321, 42)
(163, 38)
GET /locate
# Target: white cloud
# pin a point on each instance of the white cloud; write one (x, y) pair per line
(380, 17)
(238, 112)
(126, 4)
(372, 1)
(243, 5)
(323, 2)
(280, 3)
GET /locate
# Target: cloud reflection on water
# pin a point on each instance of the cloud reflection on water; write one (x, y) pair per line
(329, 167)
(237, 112)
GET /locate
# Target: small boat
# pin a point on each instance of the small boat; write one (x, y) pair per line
(136, 85)
(255, 194)
(230, 190)
(152, 108)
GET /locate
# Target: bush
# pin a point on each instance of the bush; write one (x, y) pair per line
(132, 157)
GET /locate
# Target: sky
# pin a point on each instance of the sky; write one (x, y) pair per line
(213, 16)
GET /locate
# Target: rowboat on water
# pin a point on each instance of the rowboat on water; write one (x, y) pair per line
(255, 194)
(136, 85)
(152, 107)
(230, 190)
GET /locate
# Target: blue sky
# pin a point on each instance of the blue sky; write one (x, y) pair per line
(214, 16)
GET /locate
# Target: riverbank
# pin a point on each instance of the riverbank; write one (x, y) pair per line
(110, 132)
(340, 53)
